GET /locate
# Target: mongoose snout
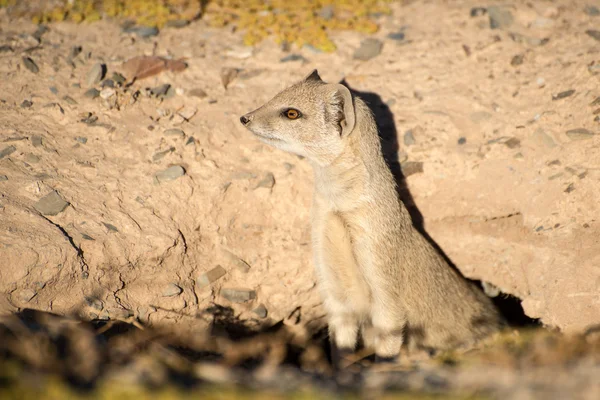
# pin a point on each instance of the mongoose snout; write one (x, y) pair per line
(378, 276)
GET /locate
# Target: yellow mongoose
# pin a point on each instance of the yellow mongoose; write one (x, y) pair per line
(376, 273)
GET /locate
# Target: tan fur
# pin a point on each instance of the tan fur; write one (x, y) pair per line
(377, 274)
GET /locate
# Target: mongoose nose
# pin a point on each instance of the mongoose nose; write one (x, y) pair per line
(244, 120)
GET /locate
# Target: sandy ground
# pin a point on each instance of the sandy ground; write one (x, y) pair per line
(497, 132)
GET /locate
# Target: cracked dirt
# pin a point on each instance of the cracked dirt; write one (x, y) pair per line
(503, 164)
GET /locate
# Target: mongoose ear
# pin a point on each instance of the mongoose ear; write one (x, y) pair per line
(313, 77)
(348, 116)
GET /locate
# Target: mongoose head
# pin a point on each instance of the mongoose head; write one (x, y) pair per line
(311, 118)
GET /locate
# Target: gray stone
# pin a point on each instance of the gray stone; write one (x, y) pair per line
(513, 143)
(6, 49)
(81, 139)
(70, 100)
(462, 140)
(170, 174)
(107, 93)
(592, 11)
(7, 151)
(292, 57)
(87, 237)
(517, 60)
(543, 138)
(36, 141)
(26, 104)
(95, 74)
(30, 65)
(409, 138)
(260, 311)
(563, 95)
(267, 182)
(92, 93)
(95, 303)
(211, 276)
(593, 34)
(161, 154)
(594, 68)
(51, 204)
(478, 11)
(32, 158)
(580, 134)
(160, 91)
(397, 36)
(53, 89)
(238, 295)
(369, 48)
(500, 17)
(190, 140)
(236, 261)
(118, 78)
(142, 31)
(3, 178)
(107, 83)
(174, 132)
(411, 167)
(172, 290)
(110, 227)
(197, 92)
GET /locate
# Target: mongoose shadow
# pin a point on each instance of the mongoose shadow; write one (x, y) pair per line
(509, 306)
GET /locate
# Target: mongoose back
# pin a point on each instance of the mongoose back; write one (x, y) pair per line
(376, 273)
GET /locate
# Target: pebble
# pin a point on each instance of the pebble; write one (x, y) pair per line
(369, 48)
(564, 94)
(462, 140)
(70, 100)
(260, 311)
(241, 295)
(95, 74)
(267, 182)
(118, 78)
(161, 154)
(593, 34)
(500, 17)
(478, 11)
(293, 57)
(81, 139)
(53, 89)
(190, 140)
(87, 237)
(409, 138)
(170, 174)
(236, 261)
(3, 178)
(32, 158)
(174, 132)
(26, 295)
(161, 91)
(397, 36)
(30, 65)
(75, 51)
(95, 303)
(211, 276)
(411, 167)
(92, 93)
(187, 113)
(51, 204)
(177, 23)
(108, 83)
(592, 11)
(107, 93)
(228, 75)
(142, 31)
(6, 49)
(110, 227)
(197, 92)
(570, 188)
(513, 143)
(517, 60)
(580, 134)
(26, 104)
(172, 290)
(36, 141)
(7, 151)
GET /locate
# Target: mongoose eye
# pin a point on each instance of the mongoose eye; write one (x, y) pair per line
(292, 113)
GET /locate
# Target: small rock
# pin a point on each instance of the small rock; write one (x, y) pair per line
(326, 12)
(517, 60)
(160, 91)
(53, 89)
(107, 93)
(260, 311)
(81, 139)
(6, 49)
(369, 48)
(211, 276)
(238, 295)
(187, 113)
(26, 104)
(593, 34)
(177, 23)
(7, 151)
(172, 290)
(87, 237)
(95, 303)
(397, 36)
(107, 83)
(478, 11)
(409, 138)
(592, 11)
(110, 227)
(580, 134)
(118, 78)
(161, 154)
(570, 188)
(170, 174)
(32, 158)
(174, 132)
(499, 17)
(3, 178)
(236, 261)
(190, 140)
(30, 65)
(26, 295)
(564, 94)
(228, 75)
(75, 51)
(92, 93)
(142, 31)
(267, 182)
(36, 141)
(95, 74)
(51, 204)
(462, 140)
(513, 143)
(41, 29)
(411, 167)
(197, 92)
(70, 100)
(292, 57)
